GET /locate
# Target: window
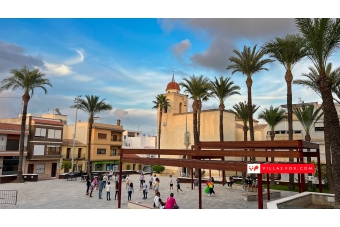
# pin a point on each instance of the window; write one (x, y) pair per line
(30, 168)
(54, 134)
(39, 150)
(40, 132)
(114, 138)
(113, 152)
(79, 152)
(68, 152)
(12, 145)
(40, 169)
(319, 129)
(80, 167)
(53, 150)
(101, 151)
(102, 136)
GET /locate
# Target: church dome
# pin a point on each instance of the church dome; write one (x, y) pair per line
(173, 85)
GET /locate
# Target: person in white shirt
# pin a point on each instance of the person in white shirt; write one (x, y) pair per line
(151, 181)
(158, 203)
(108, 188)
(105, 179)
(171, 183)
(141, 178)
(145, 190)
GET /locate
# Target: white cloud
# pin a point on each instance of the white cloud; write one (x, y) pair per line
(83, 78)
(180, 48)
(120, 113)
(57, 69)
(76, 60)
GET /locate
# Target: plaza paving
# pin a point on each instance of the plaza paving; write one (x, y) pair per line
(62, 194)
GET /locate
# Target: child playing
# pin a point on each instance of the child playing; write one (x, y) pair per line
(108, 187)
(178, 185)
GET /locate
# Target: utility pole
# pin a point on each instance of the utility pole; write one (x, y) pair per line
(75, 130)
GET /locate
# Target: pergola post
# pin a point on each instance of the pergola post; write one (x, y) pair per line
(319, 170)
(268, 186)
(223, 174)
(259, 191)
(199, 190)
(192, 178)
(120, 180)
(299, 182)
(303, 182)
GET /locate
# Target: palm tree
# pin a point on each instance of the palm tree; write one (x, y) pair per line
(288, 51)
(197, 87)
(241, 112)
(248, 63)
(92, 106)
(311, 83)
(273, 116)
(163, 104)
(27, 81)
(307, 117)
(222, 89)
(322, 39)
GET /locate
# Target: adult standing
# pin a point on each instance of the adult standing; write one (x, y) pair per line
(141, 179)
(100, 187)
(171, 202)
(88, 184)
(150, 181)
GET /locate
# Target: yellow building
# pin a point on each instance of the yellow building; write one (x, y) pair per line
(79, 155)
(177, 120)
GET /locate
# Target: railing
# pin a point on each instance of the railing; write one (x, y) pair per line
(53, 153)
(8, 197)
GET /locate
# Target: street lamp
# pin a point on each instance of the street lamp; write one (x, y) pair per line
(186, 137)
(75, 130)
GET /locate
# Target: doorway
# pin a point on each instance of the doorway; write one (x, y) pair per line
(54, 170)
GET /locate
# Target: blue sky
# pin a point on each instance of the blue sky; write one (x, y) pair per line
(130, 61)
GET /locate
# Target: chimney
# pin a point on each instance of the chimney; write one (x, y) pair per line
(118, 122)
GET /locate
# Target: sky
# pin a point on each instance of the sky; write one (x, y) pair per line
(128, 61)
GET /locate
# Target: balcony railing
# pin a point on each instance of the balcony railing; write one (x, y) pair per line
(117, 140)
(4, 148)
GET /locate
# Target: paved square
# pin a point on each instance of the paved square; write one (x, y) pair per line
(62, 194)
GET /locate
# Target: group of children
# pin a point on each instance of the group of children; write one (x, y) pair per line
(249, 184)
(98, 184)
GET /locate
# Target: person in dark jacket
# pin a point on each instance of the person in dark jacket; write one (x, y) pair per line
(100, 187)
(88, 184)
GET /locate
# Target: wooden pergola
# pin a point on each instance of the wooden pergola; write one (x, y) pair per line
(218, 150)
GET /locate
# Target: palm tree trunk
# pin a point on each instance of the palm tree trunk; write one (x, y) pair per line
(329, 169)
(199, 108)
(196, 137)
(309, 159)
(160, 129)
(272, 159)
(249, 83)
(221, 107)
(89, 164)
(331, 121)
(289, 79)
(25, 99)
(245, 138)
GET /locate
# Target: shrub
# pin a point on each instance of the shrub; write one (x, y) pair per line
(158, 168)
(66, 165)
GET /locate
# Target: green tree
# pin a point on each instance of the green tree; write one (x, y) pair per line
(311, 83)
(92, 106)
(197, 88)
(28, 81)
(161, 103)
(288, 51)
(222, 89)
(273, 116)
(307, 117)
(241, 112)
(158, 168)
(249, 62)
(66, 165)
(322, 39)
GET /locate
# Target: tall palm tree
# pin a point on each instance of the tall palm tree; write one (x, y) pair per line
(92, 106)
(27, 81)
(222, 89)
(322, 39)
(249, 62)
(273, 116)
(197, 88)
(307, 117)
(161, 103)
(311, 83)
(241, 112)
(288, 51)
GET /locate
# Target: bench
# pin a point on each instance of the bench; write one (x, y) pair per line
(139, 205)
(71, 177)
(253, 196)
(8, 197)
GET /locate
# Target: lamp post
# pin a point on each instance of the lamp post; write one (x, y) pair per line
(75, 130)
(186, 138)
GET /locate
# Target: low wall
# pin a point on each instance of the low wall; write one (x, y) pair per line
(254, 197)
(302, 200)
(139, 205)
(10, 178)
